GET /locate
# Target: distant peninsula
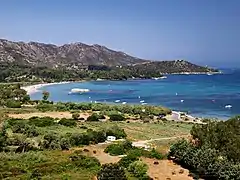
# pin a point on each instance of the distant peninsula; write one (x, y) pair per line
(39, 62)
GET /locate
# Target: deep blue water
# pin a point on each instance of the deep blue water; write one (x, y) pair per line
(203, 95)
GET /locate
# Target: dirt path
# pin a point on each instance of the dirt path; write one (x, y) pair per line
(67, 115)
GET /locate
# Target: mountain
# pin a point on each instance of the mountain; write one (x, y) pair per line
(33, 61)
(66, 55)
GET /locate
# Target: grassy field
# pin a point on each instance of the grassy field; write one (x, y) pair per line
(146, 131)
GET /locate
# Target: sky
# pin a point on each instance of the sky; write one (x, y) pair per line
(206, 32)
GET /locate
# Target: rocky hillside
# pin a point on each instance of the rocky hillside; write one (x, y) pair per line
(75, 54)
(21, 61)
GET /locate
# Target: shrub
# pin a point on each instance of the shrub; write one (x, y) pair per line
(115, 149)
(75, 116)
(31, 131)
(118, 149)
(97, 136)
(67, 122)
(93, 117)
(138, 168)
(13, 104)
(65, 144)
(42, 122)
(127, 160)
(116, 131)
(111, 171)
(84, 161)
(16, 140)
(116, 117)
(154, 154)
(50, 141)
(79, 139)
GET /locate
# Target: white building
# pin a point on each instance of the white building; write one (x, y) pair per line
(111, 138)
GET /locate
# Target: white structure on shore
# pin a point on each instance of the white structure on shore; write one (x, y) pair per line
(111, 138)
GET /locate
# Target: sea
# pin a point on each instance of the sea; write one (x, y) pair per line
(208, 96)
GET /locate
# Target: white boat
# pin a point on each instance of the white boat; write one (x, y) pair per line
(117, 101)
(124, 102)
(209, 74)
(142, 101)
(163, 77)
(228, 106)
(182, 100)
(77, 90)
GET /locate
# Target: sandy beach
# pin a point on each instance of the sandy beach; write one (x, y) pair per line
(31, 89)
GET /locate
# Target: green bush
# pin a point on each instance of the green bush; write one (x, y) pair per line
(116, 131)
(111, 171)
(68, 122)
(127, 160)
(154, 154)
(42, 122)
(50, 141)
(138, 168)
(116, 117)
(31, 131)
(97, 136)
(65, 144)
(205, 161)
(119, 149)
(84, 161)
(13, 104)
(115, 149)
(79, 139)
(44, 107)
(93, 117)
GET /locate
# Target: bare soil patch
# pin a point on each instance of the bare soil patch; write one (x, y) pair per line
(67, 115)
(166, 169)
(97, 151)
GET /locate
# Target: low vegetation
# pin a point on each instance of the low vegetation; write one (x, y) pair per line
(214, 152)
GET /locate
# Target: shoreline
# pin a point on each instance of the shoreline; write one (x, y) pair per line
(31, 89)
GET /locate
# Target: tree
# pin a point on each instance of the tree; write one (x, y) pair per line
(116, 117)
(45, 95)
(93, 117)
(138, 168)
(111, 172)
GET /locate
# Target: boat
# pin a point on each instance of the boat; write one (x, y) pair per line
(163, 77)
(182, 100)
(228, 106)
(157, 78)
(142, 101)
(209, 74)
(124, 102)
(77, 90)
(117, 101)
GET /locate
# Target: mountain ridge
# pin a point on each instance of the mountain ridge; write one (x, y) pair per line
(20, 61)
(49, 54)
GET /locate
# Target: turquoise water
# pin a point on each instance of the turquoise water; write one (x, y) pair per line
(203, 95)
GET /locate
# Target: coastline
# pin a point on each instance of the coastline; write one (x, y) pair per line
(31, 89)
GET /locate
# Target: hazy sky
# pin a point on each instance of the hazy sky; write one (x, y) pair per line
(201, 31)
